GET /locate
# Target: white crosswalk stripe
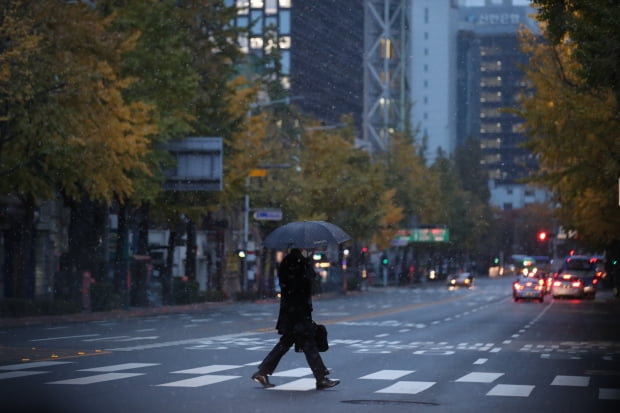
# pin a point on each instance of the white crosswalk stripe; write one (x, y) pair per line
(387, 381)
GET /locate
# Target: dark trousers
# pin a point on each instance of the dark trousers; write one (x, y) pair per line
(313, 357)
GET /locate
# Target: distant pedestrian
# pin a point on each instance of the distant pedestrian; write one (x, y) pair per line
(295, 321)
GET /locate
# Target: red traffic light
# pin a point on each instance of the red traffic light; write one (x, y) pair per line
(542, 236)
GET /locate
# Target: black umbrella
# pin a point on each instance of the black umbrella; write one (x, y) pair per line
(306, 234)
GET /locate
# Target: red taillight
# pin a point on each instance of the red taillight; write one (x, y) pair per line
(528, 284)
(517, 286)
(594, 281)
(576, 284)
(541, 282)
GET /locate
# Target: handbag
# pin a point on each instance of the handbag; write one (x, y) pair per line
(320, 334)
(320, 337)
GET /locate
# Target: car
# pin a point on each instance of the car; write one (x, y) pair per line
(577, 278)
(529, 287)
(463, 279)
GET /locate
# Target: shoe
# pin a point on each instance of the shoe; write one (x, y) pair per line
(326, 383)
(262, 379)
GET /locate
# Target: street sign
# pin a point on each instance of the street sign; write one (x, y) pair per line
(257, 173)
(268, 215)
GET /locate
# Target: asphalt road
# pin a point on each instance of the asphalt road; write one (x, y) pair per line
(426, 349)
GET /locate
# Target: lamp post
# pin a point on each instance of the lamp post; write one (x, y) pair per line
(246, 199)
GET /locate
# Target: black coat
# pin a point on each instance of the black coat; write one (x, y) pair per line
(296, 277)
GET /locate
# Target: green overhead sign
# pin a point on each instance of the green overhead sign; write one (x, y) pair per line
(405, 236)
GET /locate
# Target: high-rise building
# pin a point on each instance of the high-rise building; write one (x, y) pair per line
(433, 73)
(443, 68)
(321, 45)
(490, 79)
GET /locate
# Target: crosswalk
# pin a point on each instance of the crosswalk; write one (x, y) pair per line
(384, 381)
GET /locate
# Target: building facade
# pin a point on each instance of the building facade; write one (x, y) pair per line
(433, 72)
(490, 79)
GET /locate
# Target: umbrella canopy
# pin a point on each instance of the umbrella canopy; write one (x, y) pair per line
(306, 234)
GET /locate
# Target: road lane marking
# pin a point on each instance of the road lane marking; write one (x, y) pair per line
(514, 390)
(104, 338)
(407, 387)
(297, 385)
(481, 361)
(33, 365)
(64, 338)
(208, 369)
(609, 394)
(20, 373)
(183, 342)
(138, 338)
(478, 377)
(119, 367)
(387, 375)
(199, 381)
(298, 372)
(97, 378)
(579, 381)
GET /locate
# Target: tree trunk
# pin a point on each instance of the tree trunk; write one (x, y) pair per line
(167, 276)
(190, 252)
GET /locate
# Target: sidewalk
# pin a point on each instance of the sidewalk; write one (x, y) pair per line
(110, 315)
(138, 312)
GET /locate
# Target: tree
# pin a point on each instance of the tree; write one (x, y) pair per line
(65, 127)
(574, 132)
(416, 187)
(592, 25)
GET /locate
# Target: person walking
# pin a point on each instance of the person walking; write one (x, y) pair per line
(295, 322)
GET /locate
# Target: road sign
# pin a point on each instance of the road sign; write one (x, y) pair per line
(268, 215)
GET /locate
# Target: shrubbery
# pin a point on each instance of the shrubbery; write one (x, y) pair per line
(20, 307)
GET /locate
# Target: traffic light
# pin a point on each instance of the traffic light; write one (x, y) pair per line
(542, 236)
(384, 260)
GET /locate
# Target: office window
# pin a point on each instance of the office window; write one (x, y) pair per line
(257, 4)
(490, 113)
(243, 6)
(285, 3)
(285, 81)
(271, 6)
(491, 97)
(490, 143)
(491, 66)
(491, 81)
(490, 51)
(285, 22)
(242, 21)
(243, 43)
(491, 127)
(256, 43)
(285, 60)
(256, 19)
(285, 42)
(272, 22)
